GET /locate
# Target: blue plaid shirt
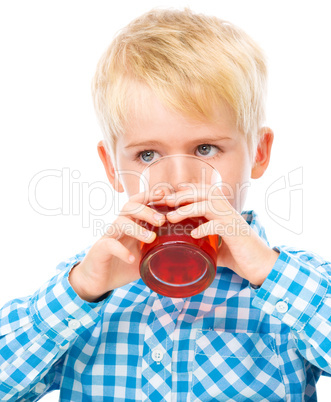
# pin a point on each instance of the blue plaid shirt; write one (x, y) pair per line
(229, 343)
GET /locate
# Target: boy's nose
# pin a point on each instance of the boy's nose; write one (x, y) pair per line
(182, 171)
(173, 173)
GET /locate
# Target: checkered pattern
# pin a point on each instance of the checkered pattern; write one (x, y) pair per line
(228, 343)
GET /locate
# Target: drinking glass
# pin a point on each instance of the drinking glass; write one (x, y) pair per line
(175, 264)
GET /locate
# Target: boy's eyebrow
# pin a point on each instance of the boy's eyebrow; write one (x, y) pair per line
(203, 140)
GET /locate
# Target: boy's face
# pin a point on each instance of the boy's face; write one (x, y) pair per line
(162, 132)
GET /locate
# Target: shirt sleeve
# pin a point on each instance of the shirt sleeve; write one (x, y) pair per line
(297, 291)
(36, 332)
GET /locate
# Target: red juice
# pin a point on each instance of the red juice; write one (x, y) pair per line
(175, 264)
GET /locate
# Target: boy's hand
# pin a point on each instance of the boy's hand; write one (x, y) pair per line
(242, 250)
(107, 265)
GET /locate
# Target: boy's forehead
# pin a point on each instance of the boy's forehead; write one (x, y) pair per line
(152, 123)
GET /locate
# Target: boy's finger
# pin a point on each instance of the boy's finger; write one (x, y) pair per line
(204, 208)
(125, 226)
(142, 212)
(195, 194)
(145, 197)
(117, 249)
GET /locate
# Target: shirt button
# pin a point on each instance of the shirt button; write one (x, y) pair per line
(305, 258)
(281, 307)
(157, 355)
(40, 388)
(74, 324)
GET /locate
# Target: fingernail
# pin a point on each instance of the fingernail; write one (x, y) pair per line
(171, 213)
(158, 217)
(147, 234)
(158, 192)
(169, 197)
(131, 258)
(194, 232)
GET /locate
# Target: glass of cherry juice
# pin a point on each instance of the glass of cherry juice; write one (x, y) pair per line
(176, 264)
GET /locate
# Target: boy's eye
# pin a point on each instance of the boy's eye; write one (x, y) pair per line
(205, 149)
(146, 156)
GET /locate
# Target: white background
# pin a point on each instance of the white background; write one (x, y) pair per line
(49, 51)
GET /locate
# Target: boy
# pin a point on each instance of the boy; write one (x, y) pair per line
(176, 82)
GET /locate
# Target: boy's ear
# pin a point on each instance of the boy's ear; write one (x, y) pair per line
(109, 167)
(263, 153)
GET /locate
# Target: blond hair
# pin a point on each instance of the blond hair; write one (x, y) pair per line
(190, 62)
